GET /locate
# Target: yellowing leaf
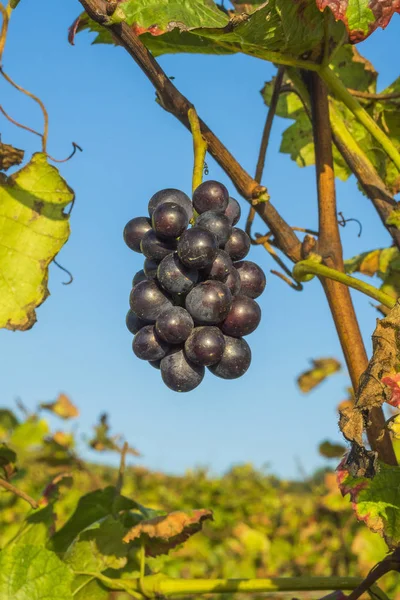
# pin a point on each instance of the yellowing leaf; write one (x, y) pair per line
(163, 533)
(321, 369)
(33, 229)
(63, 407)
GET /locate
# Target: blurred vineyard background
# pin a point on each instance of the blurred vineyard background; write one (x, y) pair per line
(263, 526)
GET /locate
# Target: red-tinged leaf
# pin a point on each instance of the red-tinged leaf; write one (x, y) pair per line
(163, 533)
(376, 501)
(361, 17)
(393, 381)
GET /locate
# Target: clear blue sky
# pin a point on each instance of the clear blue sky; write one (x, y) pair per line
(99, 98)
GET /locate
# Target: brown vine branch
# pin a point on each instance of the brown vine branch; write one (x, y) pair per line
(357, 161)
(174, 102)
(36, 99)
(370, 96)
(11, 488)
(330, 248)
(121, 471)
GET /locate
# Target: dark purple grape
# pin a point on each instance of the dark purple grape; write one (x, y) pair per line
(154, 248)
(205, 346)
(150, 268)
(235, 360)
(209, 302)
(243, 318)
(147, 346)
(134, 323)
(155, 363)
(210, 195)
(252, 278)
(233, 281)
(169, 220)
(174, 277)
(134, 232)
(148, 300)
(138, 277)
(238, 245)
(174, 325)
(216, 223)
(180, 374)
(171, 195)
(233, 211)
(219, 268)
(197, 248)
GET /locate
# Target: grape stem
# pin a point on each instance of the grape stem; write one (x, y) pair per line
(341, 92)
(309, 267)
(199, 148)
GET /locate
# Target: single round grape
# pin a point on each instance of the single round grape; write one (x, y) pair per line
(243, 318)
(233, 281)
(197, 248)
(252, 278)
(235, 360)
(210, 195)
(209, 302)
(150, 268)
(138, 277)
(154, 248)
(174, 277)
(219, 268)
(133, 322)
(179, 373)
(134, 232)
(174, 325)
(169, 220)
(238, 245)
(155, 363)
(233, 211)
(148, 300)
(205, 345)
(147, 346)
(171, 195)
(216, 223)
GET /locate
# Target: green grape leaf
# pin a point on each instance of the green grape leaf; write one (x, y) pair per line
(33, 229)
(91, 508)
(321, 369)
(361, 17)
(62, 407)
(8, 459)
(33, 573)
(375, 501)
(172, 26)
(29, 434)
(161, 534)
(10, 156)
(330, 450)
(98, 547)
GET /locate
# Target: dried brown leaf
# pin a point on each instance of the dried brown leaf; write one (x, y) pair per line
(163, 533)
(321, 369)
(62, 407)
(10, 156)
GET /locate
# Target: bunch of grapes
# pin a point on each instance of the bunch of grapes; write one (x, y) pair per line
(194, 300)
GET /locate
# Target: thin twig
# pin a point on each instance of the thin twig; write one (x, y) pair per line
(199, 149)
(385, 566)
(36, 99)
(266, 134)
(296, 285)
(14, 122)
(310, 231)
(11, 488)
(370, 96)
(65, 271)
